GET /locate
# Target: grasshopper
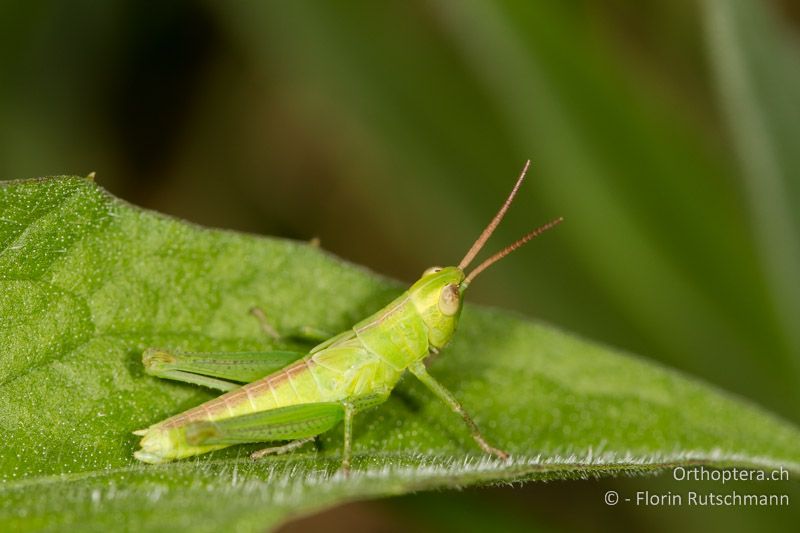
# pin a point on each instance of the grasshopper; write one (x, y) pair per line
(294, 397)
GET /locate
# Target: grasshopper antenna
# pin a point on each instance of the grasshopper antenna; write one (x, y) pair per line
(508, 249)
(476, 247)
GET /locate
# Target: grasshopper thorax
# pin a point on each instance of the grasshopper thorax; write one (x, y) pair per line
(437, 298)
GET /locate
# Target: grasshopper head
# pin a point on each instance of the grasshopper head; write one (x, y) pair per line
(438, 293)
(437, 297)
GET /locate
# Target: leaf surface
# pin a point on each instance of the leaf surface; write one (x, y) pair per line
(88, 282)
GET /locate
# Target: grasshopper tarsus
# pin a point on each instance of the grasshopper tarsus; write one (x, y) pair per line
(485, 446)
(491, 450)
(278, 450)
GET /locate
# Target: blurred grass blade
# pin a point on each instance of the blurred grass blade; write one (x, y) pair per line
(557, 93)
(88, 282)
(756, 61)
(650, 229)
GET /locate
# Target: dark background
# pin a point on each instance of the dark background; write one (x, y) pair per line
(667, 133)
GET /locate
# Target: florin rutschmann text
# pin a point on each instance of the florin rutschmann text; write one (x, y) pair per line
(710, 498)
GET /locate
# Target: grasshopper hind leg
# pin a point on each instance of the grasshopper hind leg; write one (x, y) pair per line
(299, 424)
(278, 450)
(224, 371)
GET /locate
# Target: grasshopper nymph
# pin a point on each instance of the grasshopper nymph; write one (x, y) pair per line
(289, 396)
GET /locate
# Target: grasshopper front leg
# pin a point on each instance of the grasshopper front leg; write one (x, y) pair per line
(419, 370)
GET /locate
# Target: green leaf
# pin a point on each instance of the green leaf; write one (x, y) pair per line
(88, 282)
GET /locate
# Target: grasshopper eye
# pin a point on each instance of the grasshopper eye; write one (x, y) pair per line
(449, 300)
(431, 270)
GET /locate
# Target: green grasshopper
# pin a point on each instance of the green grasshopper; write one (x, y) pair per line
(290, 396)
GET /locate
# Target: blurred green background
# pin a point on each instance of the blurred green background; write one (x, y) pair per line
(667, 133)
